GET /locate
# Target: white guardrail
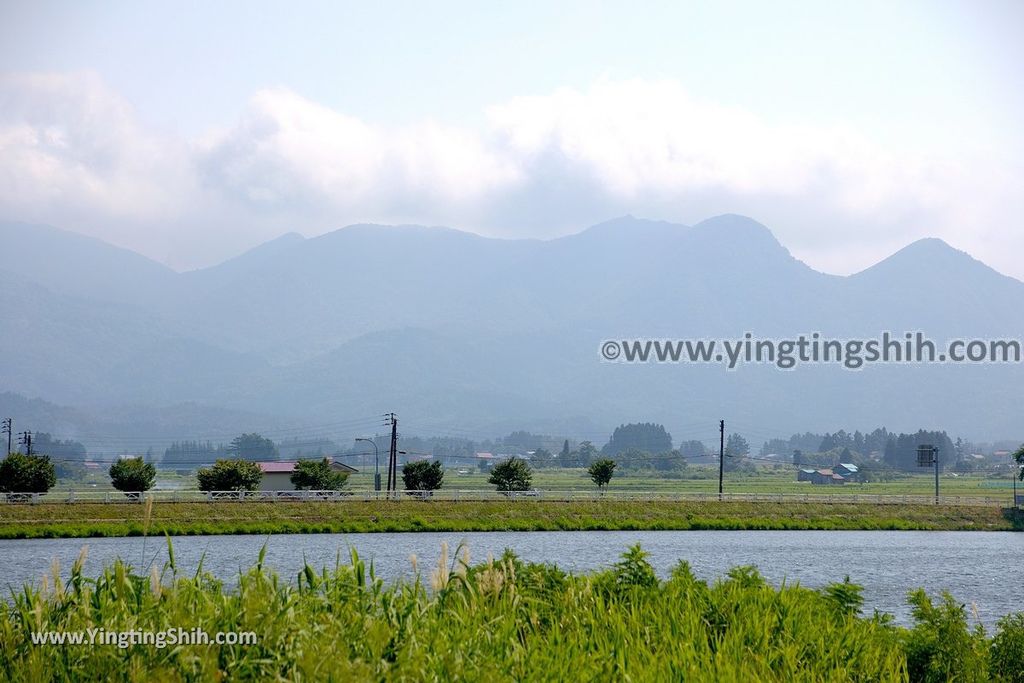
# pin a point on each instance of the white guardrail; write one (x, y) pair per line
(459, 495)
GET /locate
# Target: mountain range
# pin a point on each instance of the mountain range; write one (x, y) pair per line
(465, 335)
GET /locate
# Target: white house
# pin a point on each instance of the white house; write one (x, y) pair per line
(277, 476)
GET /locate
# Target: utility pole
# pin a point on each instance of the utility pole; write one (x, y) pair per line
(394, 452)
(9, 429)
(393, 456)
(26, 440)
(721, 455)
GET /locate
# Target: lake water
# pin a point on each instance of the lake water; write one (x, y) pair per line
(977, 567)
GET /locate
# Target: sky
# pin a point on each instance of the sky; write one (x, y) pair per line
(190, 131)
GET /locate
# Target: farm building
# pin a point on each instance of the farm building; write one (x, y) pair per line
(277, 475)
(847, 470)
(821, 477)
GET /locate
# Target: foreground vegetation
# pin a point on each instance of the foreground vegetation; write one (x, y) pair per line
(50, 520)
(500, 620)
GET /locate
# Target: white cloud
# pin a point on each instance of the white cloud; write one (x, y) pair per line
(287, 149)
(641, 139)
(67, 141)
(73, 153)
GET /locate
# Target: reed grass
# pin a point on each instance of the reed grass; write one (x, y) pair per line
(497, 620)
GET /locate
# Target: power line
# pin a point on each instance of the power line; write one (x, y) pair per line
(199, 435)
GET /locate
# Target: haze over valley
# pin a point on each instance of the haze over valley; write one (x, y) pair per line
(468, 335)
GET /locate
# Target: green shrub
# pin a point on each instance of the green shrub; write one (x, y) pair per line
(230, 475)
(21, 473)
(511, 475)
(941, 647)
(601, 472)
(422, 475)
(846, 598)
(1006, 654)
(634, 571)
(317, 475)
(132, 474)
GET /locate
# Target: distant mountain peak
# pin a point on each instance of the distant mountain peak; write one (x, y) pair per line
(933, 246)
(735, 225)
(929, 257)
(736, 233)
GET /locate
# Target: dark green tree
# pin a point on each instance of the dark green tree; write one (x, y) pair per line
(859, 443)
(306, 447)
(317, 475)
(736, 450)
(522, 441)
(673, 460)
(1018, 456)
(58, 448)
(692, 449)
(422, 475)
(601, 471)
(737, 445)
(584, 455)
(634, 459)
(901, 450)
(647, 437)
(253, 447)
(230, 475)
(774, 447)
(21, 473)
(186, 455)
(511, 475)
(542, 457)
(132, 475)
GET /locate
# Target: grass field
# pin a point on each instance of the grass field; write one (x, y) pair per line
(700, 479)
(765, 480)
(502, 620)
(98, 519)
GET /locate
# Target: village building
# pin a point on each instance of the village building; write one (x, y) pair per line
(277, 476)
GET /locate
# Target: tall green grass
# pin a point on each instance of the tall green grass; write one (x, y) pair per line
(50, 520)
(497, 620)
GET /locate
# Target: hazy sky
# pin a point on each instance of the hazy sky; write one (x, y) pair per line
(190, 131)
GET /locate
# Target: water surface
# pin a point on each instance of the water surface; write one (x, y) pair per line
(977, 567)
